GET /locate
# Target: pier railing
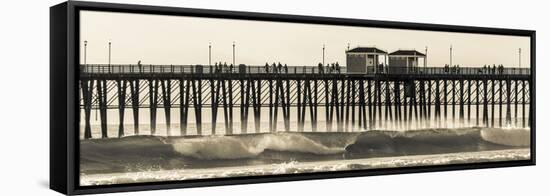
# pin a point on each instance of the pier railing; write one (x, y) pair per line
(255, 69)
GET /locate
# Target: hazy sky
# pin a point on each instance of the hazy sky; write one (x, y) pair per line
(157, 39)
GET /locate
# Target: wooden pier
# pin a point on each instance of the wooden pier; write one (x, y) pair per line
(396, 97)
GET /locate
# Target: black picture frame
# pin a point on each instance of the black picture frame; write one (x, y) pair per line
(64, 58)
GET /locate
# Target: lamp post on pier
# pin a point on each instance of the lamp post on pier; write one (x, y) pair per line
(109, 54)
(323, 54)
(451, 56)
(426, 57)
(85, 46)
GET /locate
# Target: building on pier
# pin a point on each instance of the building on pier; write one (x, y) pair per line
(365, 60)
(405, 61)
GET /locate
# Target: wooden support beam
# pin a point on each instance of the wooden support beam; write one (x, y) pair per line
(493, 103)
(87, 91)
(299, 104)
(342, 102)
(413, 105)
(166, 86)
(374, 105)
(197, 104)
(279, 98)
(348, 103)
(287, 105)
(485, 104)
(134, 91)
(184, 105)
(305, 100)
(328, 112)
(213, 106)
(437, 103)
(453, 88)
(121, 92)
(224, 104)
(477, 101)
(258, 102)
(271, 124)
(216, 104)
(336, 104)
(421, 101)
(353, 101)
(425, 102)
(362, 105)
(516, 102)
(242, 91)
(397, 103)
(316, 104)
(248, 93)
(230, 105)
(102, 101)
(405, 105)
(469, 101)
(153, 101)
(461, 102)
(429, 100)
(370, 105)
(387, 105)
(508, 102)
(445, 101)
(379, 94)
(500, 101)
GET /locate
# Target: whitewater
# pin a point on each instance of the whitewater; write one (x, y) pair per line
(135, 159)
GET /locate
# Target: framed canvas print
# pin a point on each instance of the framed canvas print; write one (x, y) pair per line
(146, 97)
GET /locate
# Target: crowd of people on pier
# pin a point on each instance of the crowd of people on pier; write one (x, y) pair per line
(495, 70)
(486, 69)
(335, 68)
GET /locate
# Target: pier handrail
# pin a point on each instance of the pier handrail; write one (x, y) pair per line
(256, 69)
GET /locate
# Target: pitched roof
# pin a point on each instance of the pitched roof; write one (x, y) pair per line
(407, 53)
(367, 50)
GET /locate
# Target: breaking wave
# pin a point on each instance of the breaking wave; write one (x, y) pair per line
(236, 147)
(135, 153)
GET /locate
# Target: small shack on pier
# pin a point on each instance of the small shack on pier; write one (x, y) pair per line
(404, 61)
(365, 60)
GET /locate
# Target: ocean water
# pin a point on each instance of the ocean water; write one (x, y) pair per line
(134, 159)
(452, 121)
(293, 167)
